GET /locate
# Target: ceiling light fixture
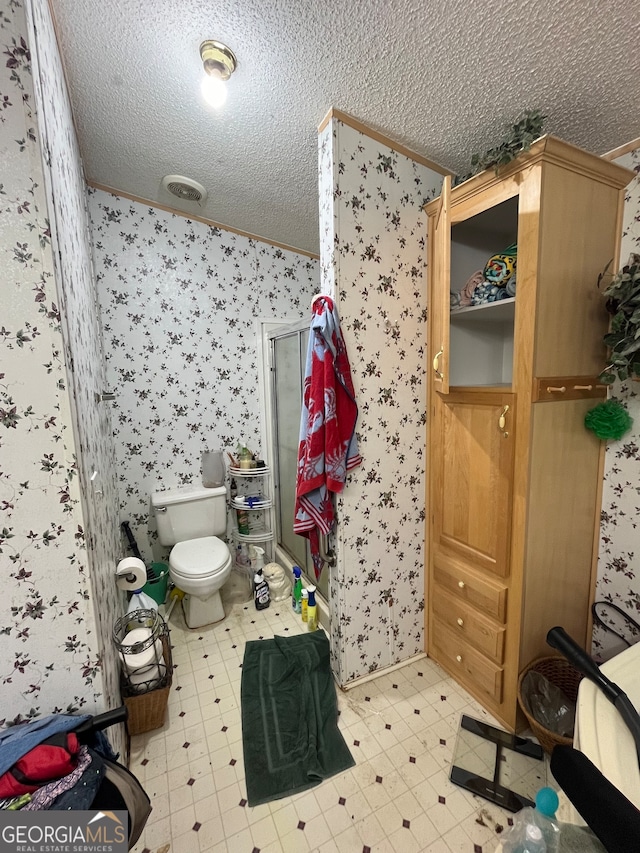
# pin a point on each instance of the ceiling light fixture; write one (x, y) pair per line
(219, 63)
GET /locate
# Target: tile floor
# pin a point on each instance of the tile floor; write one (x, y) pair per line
(401, 729)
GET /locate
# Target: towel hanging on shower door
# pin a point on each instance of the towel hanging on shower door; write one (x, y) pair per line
(328, 447)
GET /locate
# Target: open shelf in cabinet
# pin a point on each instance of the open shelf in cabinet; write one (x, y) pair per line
(481, 336)
(502, 311)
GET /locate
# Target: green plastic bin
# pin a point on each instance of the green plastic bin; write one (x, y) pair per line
(157, 588)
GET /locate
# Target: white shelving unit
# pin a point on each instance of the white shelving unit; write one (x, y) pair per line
(259, 510)
(249, 472)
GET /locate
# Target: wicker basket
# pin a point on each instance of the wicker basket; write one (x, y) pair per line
(147, 711)
(560, 673)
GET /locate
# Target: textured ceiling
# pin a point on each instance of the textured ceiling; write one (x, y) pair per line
(443, 78)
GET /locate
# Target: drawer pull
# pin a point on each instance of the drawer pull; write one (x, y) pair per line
(502, 422)
(436, 359)
(461, 622)
(461, 584)
(459, 658)
(554, 389)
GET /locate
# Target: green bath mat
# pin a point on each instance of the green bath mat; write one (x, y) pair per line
(290, 734)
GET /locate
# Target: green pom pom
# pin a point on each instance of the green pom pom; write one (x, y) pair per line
(608, 420)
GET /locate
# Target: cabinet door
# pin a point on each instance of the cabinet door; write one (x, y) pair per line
(473, 460)
(439, 306)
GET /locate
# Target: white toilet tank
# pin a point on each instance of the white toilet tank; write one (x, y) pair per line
(190, 512)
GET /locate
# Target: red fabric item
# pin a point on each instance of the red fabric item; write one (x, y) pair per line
(48, 761)
(327, 447)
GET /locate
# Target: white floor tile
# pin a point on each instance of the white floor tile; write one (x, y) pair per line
(401, 729)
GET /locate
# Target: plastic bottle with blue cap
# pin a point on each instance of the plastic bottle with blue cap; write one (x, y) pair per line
(535, 830)
(312, 610)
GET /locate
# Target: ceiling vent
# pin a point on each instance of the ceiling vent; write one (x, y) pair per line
(185, 189)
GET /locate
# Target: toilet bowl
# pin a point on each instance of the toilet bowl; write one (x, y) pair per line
(190, 519)
(200, 567)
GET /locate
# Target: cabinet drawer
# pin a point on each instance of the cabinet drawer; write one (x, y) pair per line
(472, 666)
(469, 625)
(488, 596)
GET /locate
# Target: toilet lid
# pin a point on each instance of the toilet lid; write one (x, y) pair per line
(198, 558)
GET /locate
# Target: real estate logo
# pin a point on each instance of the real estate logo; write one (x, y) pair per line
(63, 832)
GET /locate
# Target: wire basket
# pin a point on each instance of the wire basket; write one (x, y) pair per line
(145, 690)
(560, 673)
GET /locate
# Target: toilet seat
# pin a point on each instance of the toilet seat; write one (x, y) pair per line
(204, 557)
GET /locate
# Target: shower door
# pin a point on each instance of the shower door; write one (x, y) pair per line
(287, 361)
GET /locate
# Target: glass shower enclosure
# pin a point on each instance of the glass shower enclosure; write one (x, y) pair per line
(288, 352)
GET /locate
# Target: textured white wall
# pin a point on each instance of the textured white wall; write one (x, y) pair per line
(445, 79)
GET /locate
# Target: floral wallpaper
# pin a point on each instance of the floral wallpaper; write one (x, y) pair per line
(373, 252)
(58, 550)
(618, 576)
(179, 301)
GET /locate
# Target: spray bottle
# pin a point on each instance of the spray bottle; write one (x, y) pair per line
(296, 590)
(312, 610)
(261, 596)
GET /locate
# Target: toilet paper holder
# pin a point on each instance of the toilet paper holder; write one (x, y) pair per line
(127, 574)
(131, 574)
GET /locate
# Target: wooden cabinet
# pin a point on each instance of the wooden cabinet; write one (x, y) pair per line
(513, 476)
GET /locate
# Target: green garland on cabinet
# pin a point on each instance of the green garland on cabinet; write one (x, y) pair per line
(521, 135)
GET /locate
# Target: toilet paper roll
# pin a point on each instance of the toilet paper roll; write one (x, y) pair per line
(143, 657)
(143, 680)
(131, 574)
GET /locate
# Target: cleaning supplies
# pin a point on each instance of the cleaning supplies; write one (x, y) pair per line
(243, 520)
(296, 597)
(141, 601)
(312, 610)
(304, 602)
(257, 558)
(261, 597)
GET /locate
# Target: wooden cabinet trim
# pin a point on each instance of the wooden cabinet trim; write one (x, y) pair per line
(552, 150)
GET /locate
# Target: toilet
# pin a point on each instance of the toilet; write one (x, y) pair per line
(191, 519)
